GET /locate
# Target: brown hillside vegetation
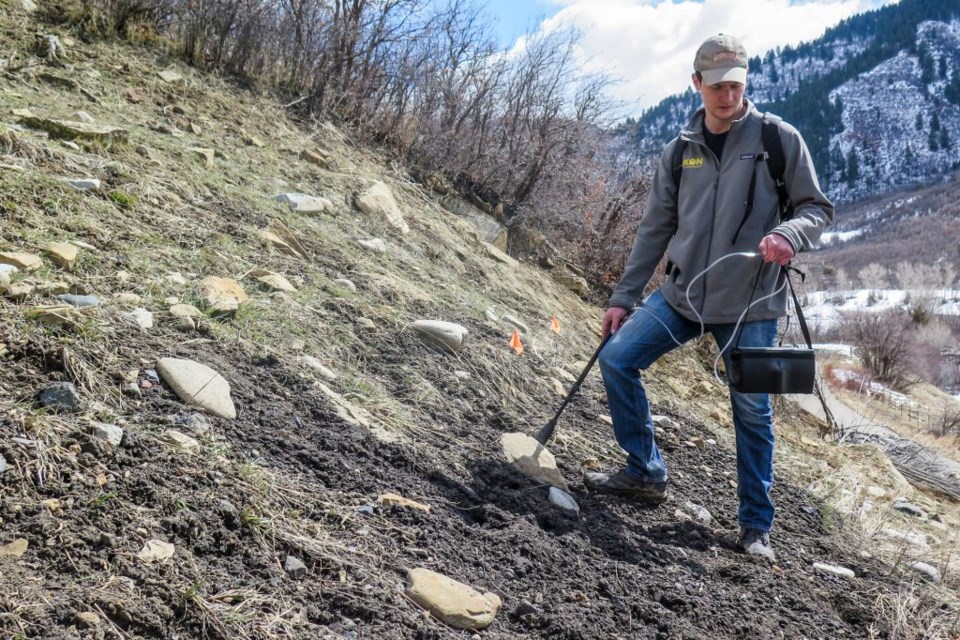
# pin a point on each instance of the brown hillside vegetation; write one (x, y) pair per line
(128, 511)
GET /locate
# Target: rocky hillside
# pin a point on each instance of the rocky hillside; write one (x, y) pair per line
(229, 411)
(877, 98)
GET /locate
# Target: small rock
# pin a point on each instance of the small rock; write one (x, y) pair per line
(143, 150)
(83, 116)
(19, 291)
(346, 284)
(156, 551)
(79, 301)
(394, 500)
(376, 244)
(70, 144)
(139, 317)
(170, 76)
(842, 572)
(926, 571)
(85, 184)
(195, 129)
(664, 422)
(185, 311)
(61, 396)
(50, 504)
(304, 203)
(314, 158)
(205, 154)
(446, 335)
(698, 513)
(254, 141)
(320, 368)
(876, 492)
(462, 375)
(127, 298)
(14, 549)
(177, 278)
(222, 295)
(185, 324)
(516, 322)
(366, 323)
(277, 282)
(378, 200)
(910, 509)
(563, 500)
(3, 465)
(295, 568)
(366, 510)
(88, 618)
(109, 432)
(195, 422)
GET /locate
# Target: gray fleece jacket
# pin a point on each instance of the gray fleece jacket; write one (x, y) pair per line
(703, 225)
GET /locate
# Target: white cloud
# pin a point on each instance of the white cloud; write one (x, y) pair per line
(649, 44)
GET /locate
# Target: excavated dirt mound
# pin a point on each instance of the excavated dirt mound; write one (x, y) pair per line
(616, 571)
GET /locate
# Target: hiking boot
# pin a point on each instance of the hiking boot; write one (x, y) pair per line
(755, 543)
(623, 484)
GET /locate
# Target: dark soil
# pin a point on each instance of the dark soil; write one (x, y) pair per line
(616, 571)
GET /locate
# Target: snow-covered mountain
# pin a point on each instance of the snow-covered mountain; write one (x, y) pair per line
(877, 99)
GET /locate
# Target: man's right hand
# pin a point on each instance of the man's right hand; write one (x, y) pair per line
(612, 319)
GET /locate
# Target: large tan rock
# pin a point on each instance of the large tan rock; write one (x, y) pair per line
(378, 200)
(532, 459)
(64, 254)
(222, 295)
(20, 260)
(198, 385)
(452, 602)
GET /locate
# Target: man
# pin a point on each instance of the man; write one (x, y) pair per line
(695, 221)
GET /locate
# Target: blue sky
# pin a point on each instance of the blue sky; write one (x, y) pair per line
(648, 45)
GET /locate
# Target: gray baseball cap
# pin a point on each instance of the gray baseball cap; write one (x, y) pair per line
(721, 58)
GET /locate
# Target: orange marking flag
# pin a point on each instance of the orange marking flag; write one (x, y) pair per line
(555, 325)
(515, 342)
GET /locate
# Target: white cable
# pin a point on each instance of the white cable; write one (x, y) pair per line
(745, 254)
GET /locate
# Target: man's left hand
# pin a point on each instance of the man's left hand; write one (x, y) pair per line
(776, 248)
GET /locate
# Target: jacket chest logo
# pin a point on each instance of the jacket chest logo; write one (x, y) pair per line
(692, 163)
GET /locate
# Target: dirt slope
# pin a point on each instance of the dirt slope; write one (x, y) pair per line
(299, 471)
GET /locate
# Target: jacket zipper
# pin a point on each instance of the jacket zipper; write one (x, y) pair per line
(713, 220)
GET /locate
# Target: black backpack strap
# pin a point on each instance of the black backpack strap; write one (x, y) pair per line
(776, 163)
(676, 162)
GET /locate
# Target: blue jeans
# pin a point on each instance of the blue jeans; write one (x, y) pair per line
(637, 344)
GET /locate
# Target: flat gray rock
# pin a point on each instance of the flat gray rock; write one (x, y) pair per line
(80, 301)
(198, 385)
(446, 335)
(61, 396)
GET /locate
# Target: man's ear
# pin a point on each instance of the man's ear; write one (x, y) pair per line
(696, 81)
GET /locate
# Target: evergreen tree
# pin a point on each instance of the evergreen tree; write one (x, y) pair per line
(933, 141)
(934, 122)
(853, 166)
(952, 92)
(944, 139)
(942, 68)
(919, 122)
